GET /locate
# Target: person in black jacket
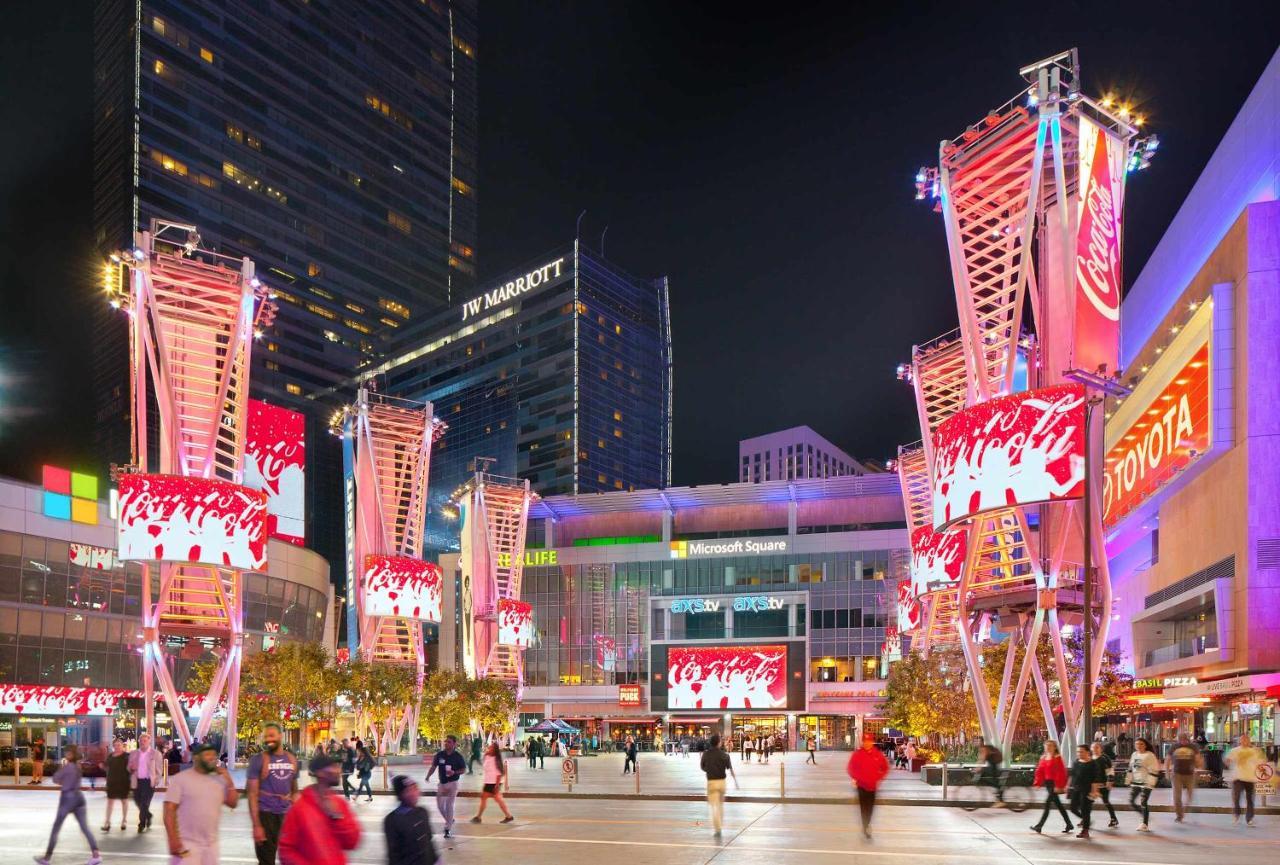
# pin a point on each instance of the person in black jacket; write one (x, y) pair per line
(1105, 768)
(1086, 780)
(408, 827)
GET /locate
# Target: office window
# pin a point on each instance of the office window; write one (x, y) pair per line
(399, 222)
(295, 389)
(206, 55)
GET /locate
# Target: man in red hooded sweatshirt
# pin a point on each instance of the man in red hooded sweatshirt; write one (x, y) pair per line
(867, 768)
(320, 825)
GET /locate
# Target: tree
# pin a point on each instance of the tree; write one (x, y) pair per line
(926, 696)
(381, 694)
(491, 703)
(444, 712)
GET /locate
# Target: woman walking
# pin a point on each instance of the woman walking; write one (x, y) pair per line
(1051, 774)
(117, 785)
(70, 801)
(494, 771)
(364, 768)
(1144, 772)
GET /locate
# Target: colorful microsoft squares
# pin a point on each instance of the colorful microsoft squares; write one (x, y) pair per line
(57, 480)
(84, 486)
(57, 505)
(70, 495)
(679, 549)
(84, 511)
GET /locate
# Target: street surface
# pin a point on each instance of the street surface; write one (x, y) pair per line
(676, 833)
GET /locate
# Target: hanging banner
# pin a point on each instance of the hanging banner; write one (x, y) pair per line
(936, 558)
(1097, 270)
(403, 587)
(1015, 450)
(275, 462)
(910, 616)
(59, 700)
(515, 623)
(198, 520)
(727, 677)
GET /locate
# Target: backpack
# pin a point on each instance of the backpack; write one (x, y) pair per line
(1184, 761)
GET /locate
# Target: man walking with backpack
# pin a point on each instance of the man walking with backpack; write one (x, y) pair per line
(271, 782)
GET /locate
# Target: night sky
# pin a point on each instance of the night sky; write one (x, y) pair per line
(761, 158)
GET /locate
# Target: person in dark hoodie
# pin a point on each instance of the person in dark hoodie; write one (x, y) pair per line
(1086, 779)
(408, 827)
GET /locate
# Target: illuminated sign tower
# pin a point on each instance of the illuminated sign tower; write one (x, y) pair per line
(392, 591)
(1031, 198)
(188, 518)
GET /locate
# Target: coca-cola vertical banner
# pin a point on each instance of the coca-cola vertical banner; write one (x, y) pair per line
(1098, 249)
(727, 677)
(515, 623)
(909, 612)
(936, 558)
(200, 520)
(275, 462)
(403, 587)
(1014, 450)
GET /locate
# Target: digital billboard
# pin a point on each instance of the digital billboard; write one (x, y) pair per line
(1097, 253)
(909, 612)
(936, 558)
(727, 677)
(199, 520)
(403, 587)
(275, 462)
(1021, 449)
(515, 623)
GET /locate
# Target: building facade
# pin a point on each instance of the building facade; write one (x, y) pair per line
(71, 618)
(792, 454)
(793, 578)
(1192, 492)
(333, 144)
(559, 372)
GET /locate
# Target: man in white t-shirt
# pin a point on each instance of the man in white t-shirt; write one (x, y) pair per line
(193, 807)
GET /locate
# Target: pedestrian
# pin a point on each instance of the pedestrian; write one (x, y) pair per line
(1085, 781)
(451, 766)
(631, 752)
(144, 776)
(1242, 763)
(528, 753)
(910, 753)
(811, 745)
(1144, 774)
(408, 827)
(685, 742)
(748, 748)
(990, 774)
(1182, 764)
(867, 767)
(543, 746)
(117, 785)
(70, 801)
(271, 782)
(193, 804)
(364, 768)
(715, 764)
(475, 755)
(173, 757)
(319, 825)
(1051, 774)
(766, 746)
(37, 761)
(1106, 768)
(347, 755)
(494, 771)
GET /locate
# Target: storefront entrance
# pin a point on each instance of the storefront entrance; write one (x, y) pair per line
(754, 726)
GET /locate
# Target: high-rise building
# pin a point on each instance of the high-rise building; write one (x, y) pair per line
(793, 454)
(334, 144)
(559, 371)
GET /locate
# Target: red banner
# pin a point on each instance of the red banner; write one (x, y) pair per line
(65, 700)
(630, 695)
(727, 677)
(515, 623)
(1097, 271)
(401, 586)
(909, 612)
(275, 462)
(1173, 431)
(936, 558)
(1010, 451)
(198, 520)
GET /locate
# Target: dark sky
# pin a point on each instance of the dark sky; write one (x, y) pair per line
(761, 158)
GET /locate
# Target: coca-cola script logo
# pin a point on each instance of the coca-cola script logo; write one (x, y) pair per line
(403, 587)
(727, 677)
(515, 623)
(909, 612)
(64, 700)
(200, 520)
(1009, 451)
(275, 462)
(1097, 277)
(936, 558)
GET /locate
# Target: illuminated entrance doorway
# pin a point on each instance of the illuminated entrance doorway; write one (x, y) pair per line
(754, 726)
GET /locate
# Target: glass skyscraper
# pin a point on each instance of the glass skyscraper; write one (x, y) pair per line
(335, 144)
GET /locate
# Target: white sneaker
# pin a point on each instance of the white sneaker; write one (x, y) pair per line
(1144, 828)
(41, 860)
(1235, 821)
(1251, 824)
(94, 860)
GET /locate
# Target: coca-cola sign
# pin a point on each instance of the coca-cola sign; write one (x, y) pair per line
(727, 677)
(199, 520)
(515, 623)
(275, 461)
(909, 612)
(1097, 270)
(1014, 450)
(403, 587)
(65, 700)
(936, 558)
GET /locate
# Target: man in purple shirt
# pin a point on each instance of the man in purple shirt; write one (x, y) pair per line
(272, 784)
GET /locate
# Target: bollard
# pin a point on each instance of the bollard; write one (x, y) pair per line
(384, 773)
(17, 768)
(944, 779)
(637, 774)
(782, 775)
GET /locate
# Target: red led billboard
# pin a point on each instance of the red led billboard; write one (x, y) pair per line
(727, 677)
(275, 462)
(404, 587)
(178, 519)
(515, 623)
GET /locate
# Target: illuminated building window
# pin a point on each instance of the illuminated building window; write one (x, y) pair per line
(315, 289)
(459, 264)
(604, 375)
(355, 325)
(159, 67)
(393, 306)
(461, 186)
(313, 269)
(384, 108)
(600, 479)
(617, 433)
(355, 307)
(273, 366)
(322, 312)
(271, 346)
(236, 134)
(331, 336)
(617, 328)
(295, 389)
(617, 415)
(399, 222)
(599, 443)
(463, 250)
(157, 24)
(284, 295)
(168, 163)
(582, 308)
(206, 55)
(618, 485)
(253, 142)
(465, 47)
(389, 322)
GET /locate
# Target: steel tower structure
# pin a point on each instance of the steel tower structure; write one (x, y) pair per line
(193, 316)
(387, 450)
(1019, 230)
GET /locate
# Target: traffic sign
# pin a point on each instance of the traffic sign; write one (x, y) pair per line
(569, 770)
(1266, 779)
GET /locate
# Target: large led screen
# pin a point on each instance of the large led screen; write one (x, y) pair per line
(515, 623)
(909, 611)
(1021, 449)
(403, 587)
(200, 520)
(936, 558)
(1097, 271)
(727, 677)
(275, 462)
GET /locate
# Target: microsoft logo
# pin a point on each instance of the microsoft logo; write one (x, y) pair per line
(70, 495)
(679, 549)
